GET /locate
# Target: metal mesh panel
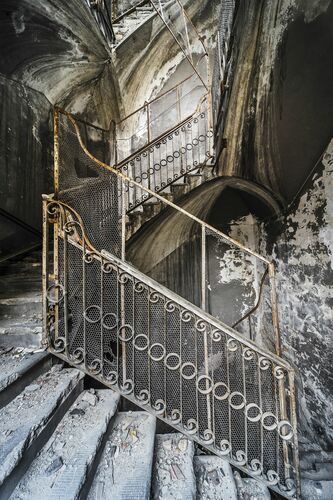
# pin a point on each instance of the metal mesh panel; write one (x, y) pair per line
(90, 190)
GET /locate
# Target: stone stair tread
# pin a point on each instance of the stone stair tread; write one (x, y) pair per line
(251, 489)
(24, 418)
(22, 298)
(16, 365)
(126, 463)
(60, 470)
(173, 473)
(317, 490)
(215, 480)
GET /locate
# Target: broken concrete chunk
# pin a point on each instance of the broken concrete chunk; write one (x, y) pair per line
(54, 466)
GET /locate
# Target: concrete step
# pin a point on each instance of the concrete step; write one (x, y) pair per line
(178, 190)
(215, 480)
(251, 489)
(28, 421)
(24, 334)
(18, 369)
(62, 468)
(126, 463)
(173, 473)
(317, 490)
(27, 304)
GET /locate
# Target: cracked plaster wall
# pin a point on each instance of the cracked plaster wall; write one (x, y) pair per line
(302, 246)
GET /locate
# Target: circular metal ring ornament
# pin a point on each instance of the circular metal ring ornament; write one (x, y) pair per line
(169, 365)
(216, 336)
(225, 395)
(186, 316)
(207, 437)
(269, 427)
(176, 154)
(138, 347)
(195, 141)
(59, 344)
(113, 325)
(91, 310)
(189, 147)
(157, 167)
(170, 158)
(272, 477)
(54, 289)
(143, 397)
(159, 406)
(237, 406)
(257, 417)
(191, 426)
(176, 416)
(232, 345)
(225, 447)
(201, 138)
(163, 162)
(256, 467)
(124, 329)
(112, 377)
(183, 150)
(157, 346)
(127, 386)
(192, 375)
(170, 306)
(281, 426)
(209, 133)
(206, 378)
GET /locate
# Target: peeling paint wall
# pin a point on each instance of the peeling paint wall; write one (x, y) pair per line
(303, 251)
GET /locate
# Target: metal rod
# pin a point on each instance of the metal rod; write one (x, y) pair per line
(45, 274)
(179, 45)
(275, 317)
(56, 151)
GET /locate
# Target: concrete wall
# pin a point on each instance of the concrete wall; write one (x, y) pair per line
(301, 244)
(26, 156)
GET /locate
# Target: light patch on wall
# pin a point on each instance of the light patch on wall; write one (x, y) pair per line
(18, 21)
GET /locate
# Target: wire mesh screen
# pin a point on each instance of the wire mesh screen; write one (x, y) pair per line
(167, 356)
(90, 190)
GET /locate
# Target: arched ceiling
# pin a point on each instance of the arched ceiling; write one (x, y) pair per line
(56, 48)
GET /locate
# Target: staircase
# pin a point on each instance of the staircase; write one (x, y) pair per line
(125, 455)
(130, 20)
(130, 333)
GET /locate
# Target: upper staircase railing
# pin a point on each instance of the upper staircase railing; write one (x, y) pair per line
(166, 354)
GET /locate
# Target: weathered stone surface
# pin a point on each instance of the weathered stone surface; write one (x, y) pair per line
(126, 464)
(22, 420)
(61, 469)
(215, 480)
(173, 476)
(15, 365)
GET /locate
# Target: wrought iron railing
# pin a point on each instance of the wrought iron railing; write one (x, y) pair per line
(167, 355)
(104, 200)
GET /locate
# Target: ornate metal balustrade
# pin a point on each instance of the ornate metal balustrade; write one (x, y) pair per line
(168, 356)
(184, 149)
(136, 336)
